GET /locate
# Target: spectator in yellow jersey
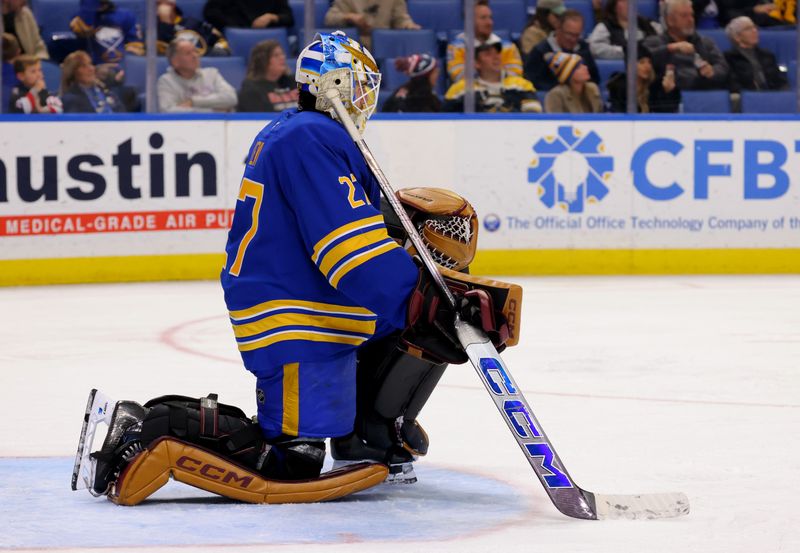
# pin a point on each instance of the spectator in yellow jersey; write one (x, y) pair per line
(484, 33)
(495, 89)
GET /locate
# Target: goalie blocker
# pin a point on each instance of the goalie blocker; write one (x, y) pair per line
(397, 374)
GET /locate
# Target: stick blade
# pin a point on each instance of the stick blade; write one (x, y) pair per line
(644, 506)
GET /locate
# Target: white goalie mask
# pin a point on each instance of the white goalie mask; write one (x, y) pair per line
(335, 61)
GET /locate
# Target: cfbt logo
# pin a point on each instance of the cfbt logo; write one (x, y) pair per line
(762, 161)
(570, 169)
(524, 425)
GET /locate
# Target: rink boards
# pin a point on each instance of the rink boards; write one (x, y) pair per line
(150, 197)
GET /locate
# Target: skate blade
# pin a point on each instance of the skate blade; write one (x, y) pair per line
(99, 408)
(398, 474)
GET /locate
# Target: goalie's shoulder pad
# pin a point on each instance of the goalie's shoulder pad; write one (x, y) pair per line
(198, 467)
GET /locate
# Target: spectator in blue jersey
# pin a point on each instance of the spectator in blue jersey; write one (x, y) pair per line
(256, 14)
(417, 94)
(484, 33)
(268, 85)
(110, 32)
(82, 91)
(172, 24)
(567, 38)
(186, 87)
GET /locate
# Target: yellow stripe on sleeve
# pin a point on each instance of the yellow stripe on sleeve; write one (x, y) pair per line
(267, 306)
(341, 231)
(343, 249)
(307, 335)
(304, 319)
(291, 398)
(358, 260)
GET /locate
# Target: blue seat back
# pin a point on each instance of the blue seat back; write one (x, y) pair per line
(586, 10)
(299, 13)
(509, 15)
(192, 8)
(782, 43)
(719, 37)
(607, 67)
(243, 40)
(136, 70)
(438, 15)
(52, 75)
(769, 102)
(706, 101)
(139, 9)
(53, 16)
(648, 9)
(232, 69)
(390, 43)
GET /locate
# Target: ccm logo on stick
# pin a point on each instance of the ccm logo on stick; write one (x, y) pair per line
(213, 472)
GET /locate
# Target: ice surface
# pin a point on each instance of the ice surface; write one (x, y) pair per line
(644, 384)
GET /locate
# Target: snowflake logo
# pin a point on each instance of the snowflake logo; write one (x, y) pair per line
(570, 169)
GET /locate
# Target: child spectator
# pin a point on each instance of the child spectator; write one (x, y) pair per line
(575, 93)
(18, 20)
(110, 31)
(31, 95)
(268, 85)
(186, 87)
(258, 14)
(171, 25)
(81, 91)
(417, 94)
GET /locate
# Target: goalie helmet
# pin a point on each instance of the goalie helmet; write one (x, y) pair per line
(335, 61)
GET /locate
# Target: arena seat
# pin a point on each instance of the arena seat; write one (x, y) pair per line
(232, 69)
(53, 16)
(243, 40)
(136, 70)
(706, 101)
(648, 9)
(52, 75)
(504, 34)
(437, 15)
(139, 9)
(299, 13)
(719, 37)
(769, 102)
(782, 43)
(390, 43)
(192, 8)
(586, 10)
(508, 14)
(607, 67)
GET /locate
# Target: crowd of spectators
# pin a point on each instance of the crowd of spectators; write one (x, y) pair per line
(550, 66)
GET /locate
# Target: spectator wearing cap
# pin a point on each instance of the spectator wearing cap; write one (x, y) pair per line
(367, 15)
(495, 90)
(172, 24)
(544, 21)
(187, 87)
(567, 38)
(484, 27)
(609, 38)
(751, 67)
(698, 62)
(268, 85)
(655, 93)
(256, 14)
(417, 94)
(574, 93)
(18, 20)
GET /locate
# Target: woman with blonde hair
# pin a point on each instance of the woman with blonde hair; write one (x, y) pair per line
(81, 91)
(268, 85)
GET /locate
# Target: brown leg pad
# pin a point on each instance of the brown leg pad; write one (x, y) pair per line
(200, 468)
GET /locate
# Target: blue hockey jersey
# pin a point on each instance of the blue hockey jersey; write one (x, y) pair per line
(311, 273)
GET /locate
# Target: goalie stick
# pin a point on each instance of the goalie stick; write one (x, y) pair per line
(568, 497)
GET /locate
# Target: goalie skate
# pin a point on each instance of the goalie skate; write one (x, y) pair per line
(99, 409)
